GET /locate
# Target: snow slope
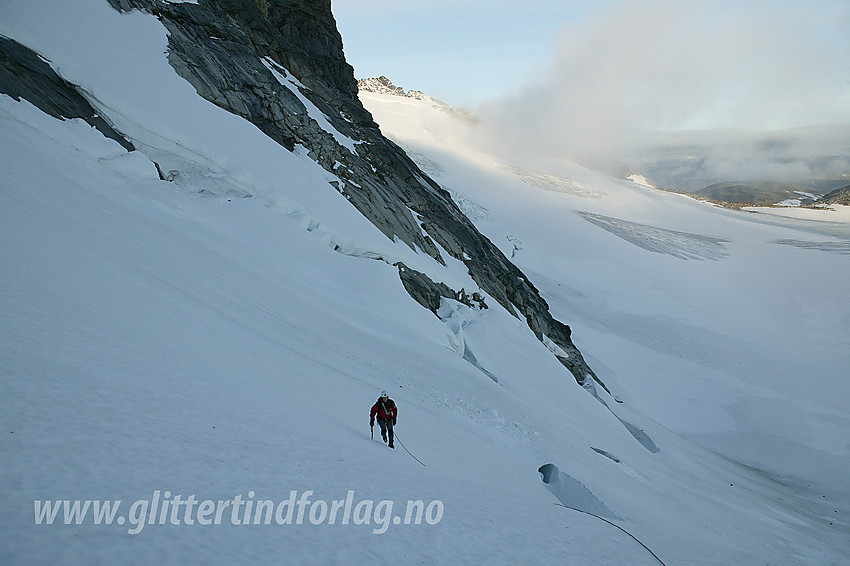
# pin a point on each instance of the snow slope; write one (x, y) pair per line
(202, 337)
(708, 320)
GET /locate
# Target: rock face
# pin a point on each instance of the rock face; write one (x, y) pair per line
(280, 65)
(838, 196)
(24, 75)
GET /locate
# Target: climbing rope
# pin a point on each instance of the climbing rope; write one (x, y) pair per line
(406, 450)
(616, 525)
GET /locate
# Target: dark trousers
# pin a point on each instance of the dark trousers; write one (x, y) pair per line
(386, 426)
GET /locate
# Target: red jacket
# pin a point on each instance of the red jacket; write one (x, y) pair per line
(385, 410)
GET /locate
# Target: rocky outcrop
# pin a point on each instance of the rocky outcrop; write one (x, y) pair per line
(430, 294)
(838, 196)
(383, 85)
(380, 85)
(280, 64)
(25, 75)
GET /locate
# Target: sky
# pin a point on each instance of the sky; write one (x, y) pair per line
(614, 65)
(462, 51)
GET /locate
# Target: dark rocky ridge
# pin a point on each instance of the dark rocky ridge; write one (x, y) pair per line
(219, 46)
(429, 293)
(838, 196)
(755, 193)
(25, 75)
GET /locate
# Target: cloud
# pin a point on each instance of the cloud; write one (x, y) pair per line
(670, 65)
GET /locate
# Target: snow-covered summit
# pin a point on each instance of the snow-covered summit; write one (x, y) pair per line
(383, 85)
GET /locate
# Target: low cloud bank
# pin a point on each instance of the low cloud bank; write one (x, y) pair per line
(728, 84)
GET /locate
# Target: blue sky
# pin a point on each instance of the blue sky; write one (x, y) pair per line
(461, 51)
(645, 63)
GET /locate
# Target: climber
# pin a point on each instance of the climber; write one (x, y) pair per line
(387, 413)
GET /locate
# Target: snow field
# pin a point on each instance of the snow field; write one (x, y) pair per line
(187, 337)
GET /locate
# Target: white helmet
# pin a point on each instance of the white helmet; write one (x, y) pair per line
(384, 393)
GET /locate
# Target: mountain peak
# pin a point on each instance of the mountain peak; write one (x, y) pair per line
(383, 85)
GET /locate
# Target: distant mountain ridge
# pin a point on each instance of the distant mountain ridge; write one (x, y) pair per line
(383, 85)
(742, 167)
(838, 196)
(760, 193)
